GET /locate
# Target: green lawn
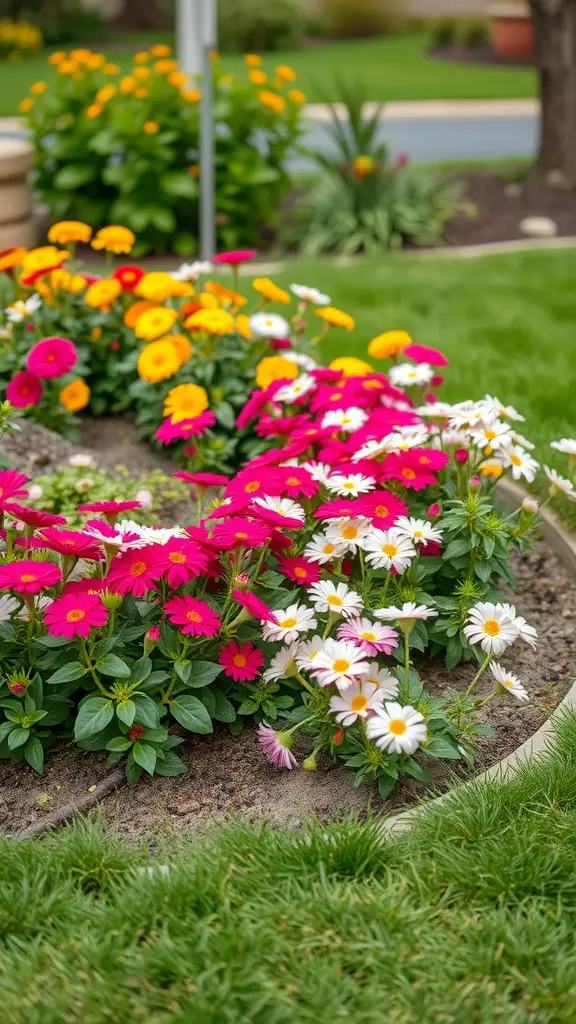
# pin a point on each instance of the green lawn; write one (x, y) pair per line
(391, 68)
(468, 917)
(505, 322)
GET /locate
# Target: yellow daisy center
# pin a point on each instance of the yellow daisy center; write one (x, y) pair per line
(358, 703)
(289, 623)
(492, 627)
(335, 600)
(397, 727)
(341, 665)
(390, 550)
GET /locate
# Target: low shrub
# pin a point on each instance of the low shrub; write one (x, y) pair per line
(125, 148)
(473, 33)
(345, 19)
(443, 32)
(259, 26)
(469, 32)
(18, 39)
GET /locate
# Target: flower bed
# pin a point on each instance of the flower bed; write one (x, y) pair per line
(368, 533)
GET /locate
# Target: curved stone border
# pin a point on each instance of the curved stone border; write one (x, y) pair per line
(564, 546)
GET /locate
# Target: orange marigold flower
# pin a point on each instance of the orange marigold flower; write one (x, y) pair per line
(153, 323)
(110, 69)
(141, 58)
(12, 257)
(286, 72)
(165, 67)
(114, 238)
(192, 95)
(136, 310)
(270, 291)
(160, 50)
(271, 100)
(37, 88)
(257, 77)
(100, 294)
(76, 395)
(158, 361)
(105, 94)
(252, 60)
(151, 127)
(66, 231)
(127, 85)
(94, 110)
(336, 317)
(141, 73)
(273, 368)
(297, 96)
(390, 343)
(25, 105)
(213, 321)
(185, 402)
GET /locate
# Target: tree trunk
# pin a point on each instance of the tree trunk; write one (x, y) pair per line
(555, 36)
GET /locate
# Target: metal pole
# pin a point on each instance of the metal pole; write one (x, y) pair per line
(188, 42)
(207, 206)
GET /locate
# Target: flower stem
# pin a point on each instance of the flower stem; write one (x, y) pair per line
(479, 673)
(407, 660)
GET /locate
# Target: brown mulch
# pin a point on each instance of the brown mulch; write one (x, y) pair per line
(231, 776)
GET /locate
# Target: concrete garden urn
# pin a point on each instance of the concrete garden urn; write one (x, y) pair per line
(511, 30)
(16, 224)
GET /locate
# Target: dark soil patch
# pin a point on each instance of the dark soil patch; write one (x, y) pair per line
(113, 441)
(481, 54)
(229, 776)
(501, 206)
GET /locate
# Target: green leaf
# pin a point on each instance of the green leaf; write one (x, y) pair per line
(169, 642)
(457, 547)
(140, 670)
(441, 746)
(133, 770)
(146, 711)
(125, 711)
(51, 641)
(386, 784)
(183, 670)
(93, 716)
(203, 673)
(5, 728)
(72, 176)
(163, 219)
(224, 710)
(119, 743)
(179, 183)
(112, 665)
(17, 737)
(145, 756)
(170, 765)
(191, 713)
(66, 674)
(34, 754)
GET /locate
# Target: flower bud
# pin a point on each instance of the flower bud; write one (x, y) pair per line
(16, 687)
(437, 381)
(338, 737)
(475, 483)
(135, 732)
(434, 511)
(309, 763)
(145, 498)
(151, 639)
(530, 505)
(111, 601)
(461, 455)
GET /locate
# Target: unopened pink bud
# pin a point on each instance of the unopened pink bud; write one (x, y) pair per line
(434, 510)
(475, 483)
(437, 381)
(461, 455)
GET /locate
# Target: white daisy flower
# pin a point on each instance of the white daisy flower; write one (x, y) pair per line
(23, 308)
(521, 464)
(491, 626)
(420, 531)
(525, 632)
(81, 461)
(387, 549)
(307, 651)
(192, 271)
(346, 420)
(322, 549)
(530, 505)
(150, 534)
(497, 409)
(508, 681)
(291, 392)
(567, 445)
(300, 358)
(435, 410)
(306, 294)
(397, 729)
(370, 450)
(383, 679)
(560, 483)
(269, 325)
(282, 665)
(409, 612)
(371, 637)
(349, 533)
(117, 539)
(455, 439)
(406, 375)
(339, 662)
(319, 471)
(522, 441)
(336, 598)
(8, 605)
(350, 486)
(466, 414)
(292, 621)
(360, 698)
(281, 506)
(491, 434)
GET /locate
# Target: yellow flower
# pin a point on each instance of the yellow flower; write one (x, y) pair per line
(271, 100)
(114, 238)
(350, 366)
(158, 361)
(192, 95)
(105, 94)
(213, 321)
(66, 231)
(141, 73)
(94, 110)
(257, 77)
(95, 334)
(158, 286)
(57, 58)
(95, 60)
(178, 79)
(151, 127)
(226, 296)
(25, 105)
(388, 344)
(141, 58)
(225, 80)
(76, 395)
(185, 402)
(160, 50)
(37, 88)
(252, 60)
(243, 326)
(127, 85)
(270, 291)
(110, 69)
(273, 368)
(208, 301)
(153, 323)
(67, 67)
(10, 258)
(491, 469)
(136, 310)
(336, 317)
(140, 93)
(43, 258)
(63, 280)
(194, 170)
(182, 344)
(102, 293)
(286, 72)
(165, 67)
(82, 56)
(297, 96)
(363, 165)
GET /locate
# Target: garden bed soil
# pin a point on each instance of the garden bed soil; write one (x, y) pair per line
(228, 776)
(502, 204)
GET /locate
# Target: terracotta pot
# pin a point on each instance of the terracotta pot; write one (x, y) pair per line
(511, 31)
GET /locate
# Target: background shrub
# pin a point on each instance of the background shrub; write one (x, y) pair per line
(345, 18)
(259, 25)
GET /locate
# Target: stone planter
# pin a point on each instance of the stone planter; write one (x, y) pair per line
(511, 31)
(16, 224)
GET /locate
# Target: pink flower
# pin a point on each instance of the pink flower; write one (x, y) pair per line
(281, 512)
(11, 484)
(195, 617)
(28, 577)
(254, 606)
(168, 431)
(33, 516)
(109, 507)
(89, 585)
(424, 354)
(153, 634)
(24, 389)
(201, 536)
(341, 508)
(238, 532)
(407, 468)
(370, 637)
(52, 357)
(202, 480)
(235, 256)
(135, 572)
(276, 746)
(241, 663)
(431, 458)
(433, 511)
(461, 455)
(253, 482)
(180, 560)
(382, 507)
(252, 409)
(298, 481)
(75, 615)
(71, 542)
(299, 570)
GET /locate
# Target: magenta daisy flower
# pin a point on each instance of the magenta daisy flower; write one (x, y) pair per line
(180, 560)
(52, 357)
(238, 532)
(382, 507)
(254, 606)
(298, 481)
(168, 432)
(107, 508)
(89, 585)
(28, 577)
(70, 542)
(202, 480)
(24, 389)
(33, 516)
(370, 637)
(195, 617)
(276, 746)
(255, 482)
(425, 354)
(408, 470)
(235, 257)
(75, 615)
(12, 485)
(299, 570)
(341, 508)
(241, 662)
(136, 571)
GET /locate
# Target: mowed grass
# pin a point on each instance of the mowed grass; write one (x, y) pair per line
(505, 322)
(394, 67)
(468, 917)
